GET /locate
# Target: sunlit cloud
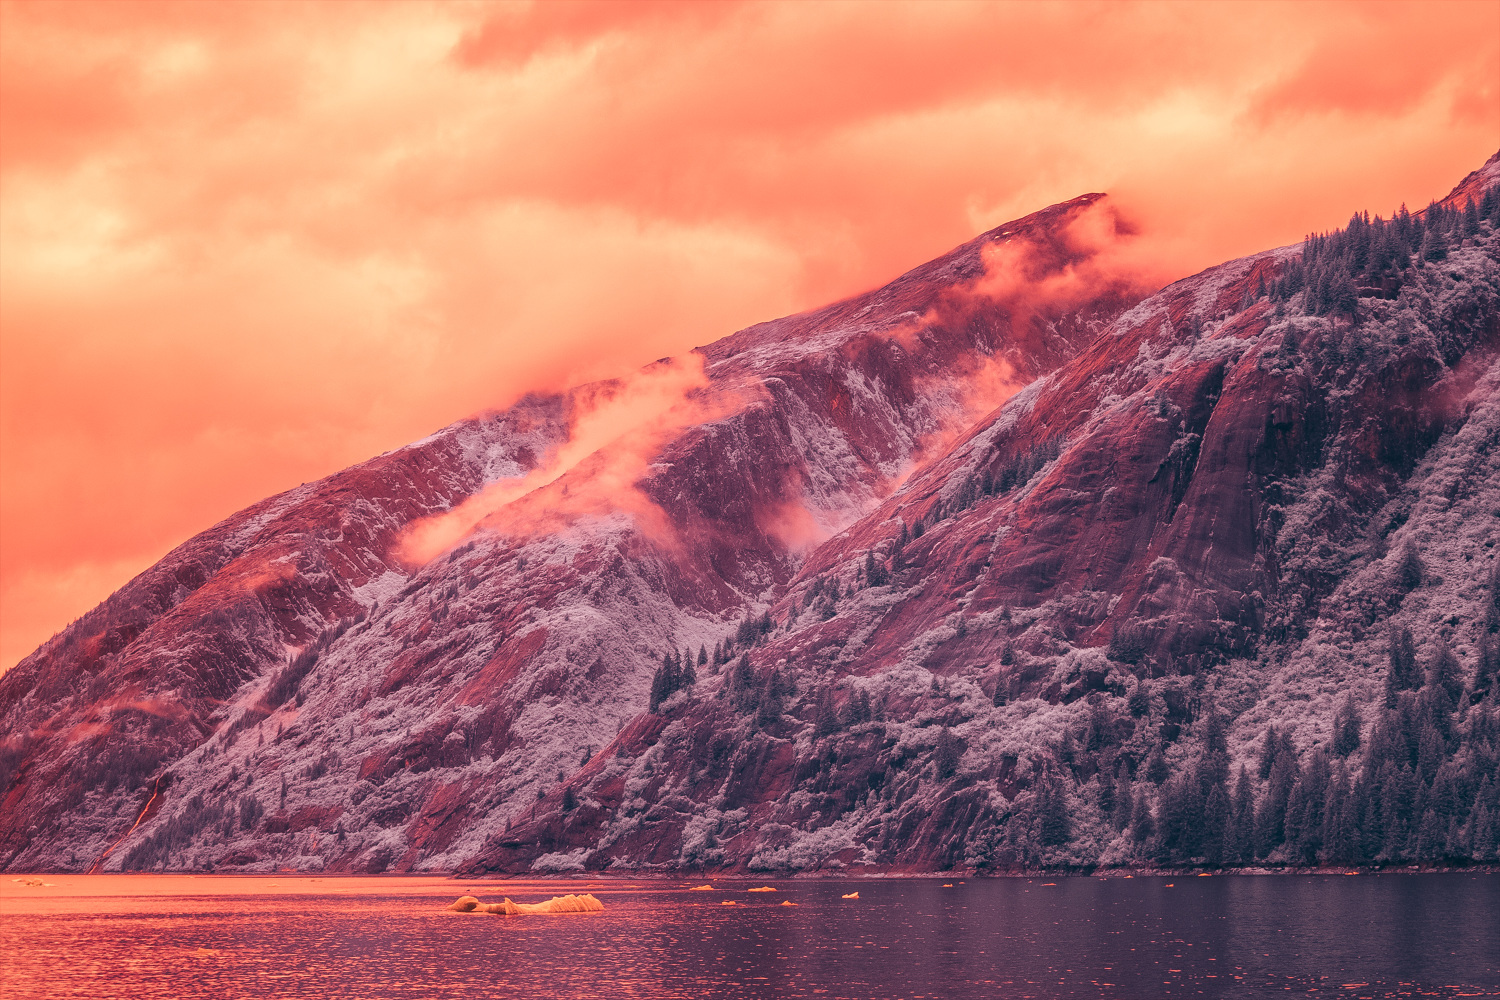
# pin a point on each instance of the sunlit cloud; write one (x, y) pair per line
(244, 245)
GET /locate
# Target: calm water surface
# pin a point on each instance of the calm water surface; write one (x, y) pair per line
(146, 937)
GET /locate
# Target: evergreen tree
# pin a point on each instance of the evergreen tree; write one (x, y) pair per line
(1268, 749)
(825, 722)
(1410, 570)
(1053, 826)
(1443, 672)
(1487, 667)
(1346, 726)
(1482, 840)
(1156, 765)
(1180, 819)
(1339, 821)
(1002, 689)
(1216, 732)
(1215, 824)
(1492, 606)
(1315, 780)
(770, 704)
(661, 682)
(1296, 813)
(1124, 798)
(1434, 247)
(1107, 794)
(1397, 794)
(1270, 815)
(1430, 835)
(1401, 675)
(947, 753)
(1239, 834)
(1142, 823)
(740, 687)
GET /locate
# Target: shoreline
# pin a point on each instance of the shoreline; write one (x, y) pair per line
(889, 874)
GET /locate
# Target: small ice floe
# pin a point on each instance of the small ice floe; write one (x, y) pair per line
(850, 895)
(764, 888)
(701, 888)
(788, 902)
(29, 881)
(570, 903)
(727, 902)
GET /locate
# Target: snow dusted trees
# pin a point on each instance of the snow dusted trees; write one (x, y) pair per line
(675, 673)
(1372, 257)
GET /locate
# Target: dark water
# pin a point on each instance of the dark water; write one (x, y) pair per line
(145, 937)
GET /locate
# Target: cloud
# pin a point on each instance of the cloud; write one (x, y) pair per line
(616, 429)
(245, 245)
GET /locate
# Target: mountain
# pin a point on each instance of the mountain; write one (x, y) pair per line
(1007, 563)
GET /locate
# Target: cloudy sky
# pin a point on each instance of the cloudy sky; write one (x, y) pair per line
(245, 245)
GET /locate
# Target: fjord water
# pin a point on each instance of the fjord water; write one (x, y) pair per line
(143, 936)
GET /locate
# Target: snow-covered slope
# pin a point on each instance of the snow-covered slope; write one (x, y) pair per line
(1004, 563)
(1191, 536)
(303, 688)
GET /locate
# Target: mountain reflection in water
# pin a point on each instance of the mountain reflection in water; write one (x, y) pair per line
(143, 937)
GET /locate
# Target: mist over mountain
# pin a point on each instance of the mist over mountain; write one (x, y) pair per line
(1016, 561)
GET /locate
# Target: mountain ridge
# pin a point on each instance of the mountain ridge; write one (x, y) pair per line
(912, 595)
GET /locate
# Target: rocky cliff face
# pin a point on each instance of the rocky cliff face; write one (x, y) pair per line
(823, 603)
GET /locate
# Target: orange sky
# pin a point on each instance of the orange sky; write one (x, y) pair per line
(246, 245)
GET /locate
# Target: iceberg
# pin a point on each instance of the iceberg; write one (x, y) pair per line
(850, 895)
(586, 903)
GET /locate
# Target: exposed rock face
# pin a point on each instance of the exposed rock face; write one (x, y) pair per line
(915, 600)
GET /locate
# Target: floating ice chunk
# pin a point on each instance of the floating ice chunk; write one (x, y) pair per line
(764, 888)
(727, 902)
(701, 888)
(850, 895)
(788, 902)
(570, 903)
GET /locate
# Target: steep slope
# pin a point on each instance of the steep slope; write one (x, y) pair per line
(1217, 585)
(346, 676)
(1211, 523)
